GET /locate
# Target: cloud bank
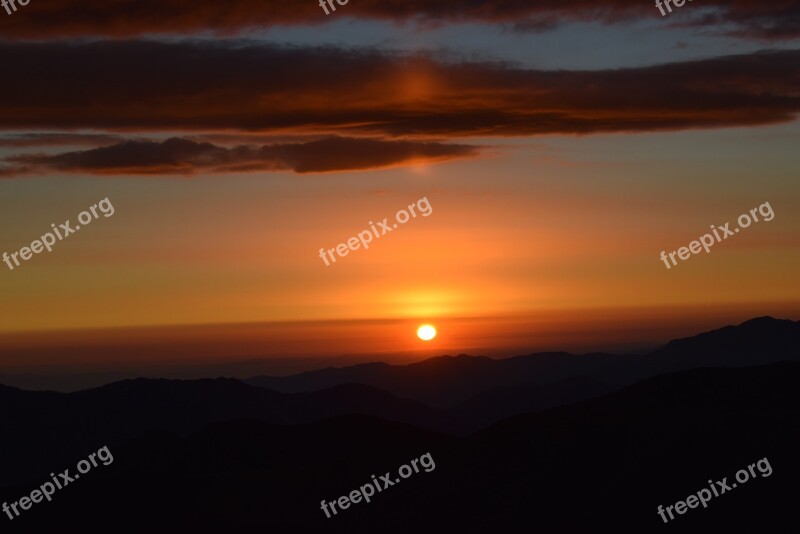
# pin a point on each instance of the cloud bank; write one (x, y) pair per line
(202, 87)
(125, 19)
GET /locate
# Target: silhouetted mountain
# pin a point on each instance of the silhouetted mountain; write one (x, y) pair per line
(750, 343)
(441, 381)
(112, 414)
(604, 464)
(498, 403)
(617, 457)
(67, 379)
(446, 381)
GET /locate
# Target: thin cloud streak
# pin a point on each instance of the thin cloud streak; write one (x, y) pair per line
(27, 140)
(178, 156)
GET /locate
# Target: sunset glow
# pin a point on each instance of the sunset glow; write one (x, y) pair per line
(556, 178)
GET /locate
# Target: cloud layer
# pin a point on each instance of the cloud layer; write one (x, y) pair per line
(123, 18)
(203, 87)
(185, 157)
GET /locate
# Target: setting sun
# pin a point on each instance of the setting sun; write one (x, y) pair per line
(426, 332)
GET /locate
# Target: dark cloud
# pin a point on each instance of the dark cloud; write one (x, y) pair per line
(56, 139)
(124, 18)
(207, 87)
(181, 156)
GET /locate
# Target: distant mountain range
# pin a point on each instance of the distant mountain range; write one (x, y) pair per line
(553, 442)
(446, 381)
(602, 464)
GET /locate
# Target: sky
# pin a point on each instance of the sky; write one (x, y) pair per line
(561, 146)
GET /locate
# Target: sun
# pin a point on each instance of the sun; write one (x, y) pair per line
(426, 332)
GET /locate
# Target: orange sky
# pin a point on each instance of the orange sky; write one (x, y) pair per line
(557, 170)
